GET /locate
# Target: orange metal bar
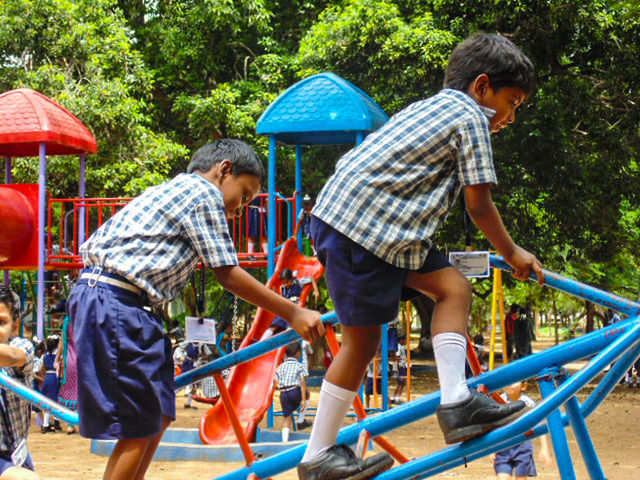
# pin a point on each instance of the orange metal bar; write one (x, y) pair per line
(357, 404)
(233, 418)
(476, 368)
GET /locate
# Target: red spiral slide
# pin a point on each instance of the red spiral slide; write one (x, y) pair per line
(251, 383)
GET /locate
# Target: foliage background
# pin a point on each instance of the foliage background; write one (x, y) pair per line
(155, 79)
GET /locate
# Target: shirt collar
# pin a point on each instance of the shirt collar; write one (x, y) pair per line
(486, 111)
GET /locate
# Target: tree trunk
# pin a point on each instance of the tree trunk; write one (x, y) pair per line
(555, 317)
(590, 316)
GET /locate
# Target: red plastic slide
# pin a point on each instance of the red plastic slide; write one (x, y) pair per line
(251, 383)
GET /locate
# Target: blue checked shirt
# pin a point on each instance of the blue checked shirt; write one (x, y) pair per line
(157, 239)
(391, 193)
(289, 373)
(18, 411)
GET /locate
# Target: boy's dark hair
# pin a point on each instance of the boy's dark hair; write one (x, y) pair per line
(11, 300)
(402, 337)
(494, 55)
(286, 274)
(514, 307)
(243, 158)
(52, 344)
(292, 349)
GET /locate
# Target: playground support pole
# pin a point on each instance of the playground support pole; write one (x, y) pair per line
(271, 230)
(407, 306)
(233, 418)
(583, 438)
(494, 298)
(42, 189)
(81, 194)
(558, 434)
(7, 179)
(298, 191)
(385, 367)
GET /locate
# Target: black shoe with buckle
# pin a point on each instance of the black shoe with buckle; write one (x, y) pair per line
(304, 424)
(340, 463)
(475, 416)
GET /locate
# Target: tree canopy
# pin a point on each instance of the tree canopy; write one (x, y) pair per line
(154, 80)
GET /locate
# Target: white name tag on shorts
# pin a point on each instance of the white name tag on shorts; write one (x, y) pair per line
(19, 455)
(200, 330)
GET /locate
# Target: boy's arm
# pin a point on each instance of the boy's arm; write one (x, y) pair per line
(316, 292)
(12, 357)
(307, 323)
(303, 388)
(485, 215)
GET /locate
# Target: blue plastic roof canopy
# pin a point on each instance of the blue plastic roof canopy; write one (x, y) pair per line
(321, 110)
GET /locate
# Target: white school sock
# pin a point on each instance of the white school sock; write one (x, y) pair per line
(333, 405)
(302, 414)
(251, 247)
(45, 421)
(268, 333)
(285, 435)
(450, 350)
(189, 399)
(265, 247)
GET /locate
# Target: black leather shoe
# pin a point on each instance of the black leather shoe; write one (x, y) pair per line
(475, 416)
(340, 463)
(304, 424)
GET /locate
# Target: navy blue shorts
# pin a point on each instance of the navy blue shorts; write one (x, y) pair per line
(6, 463)
(368, 389)
(402, 375)
(516, 460)
(290, 401)
(365, 290)
(279, 324)
(125, 363)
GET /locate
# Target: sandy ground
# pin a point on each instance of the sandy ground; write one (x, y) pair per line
(614, 427)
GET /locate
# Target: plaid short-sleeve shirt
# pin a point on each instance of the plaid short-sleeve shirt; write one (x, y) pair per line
(289, 373)
(18, 411)
(391, 193)
(157, 239)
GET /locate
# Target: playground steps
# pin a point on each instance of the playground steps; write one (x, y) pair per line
(183, 444)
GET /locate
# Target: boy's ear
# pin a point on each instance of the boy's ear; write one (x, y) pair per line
(225, 167)
(16, 328)
(479, 86)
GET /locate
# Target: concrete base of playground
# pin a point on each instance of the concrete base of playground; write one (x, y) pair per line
(183, 444)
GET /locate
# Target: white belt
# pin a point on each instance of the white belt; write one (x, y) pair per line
(95, 277)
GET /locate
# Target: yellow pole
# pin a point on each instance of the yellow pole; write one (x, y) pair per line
(408, 336)
(503, 334)
(494, 301)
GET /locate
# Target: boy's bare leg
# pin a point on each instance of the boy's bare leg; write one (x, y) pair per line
(152, 446)
(359, 345)
(131, 457)
(452, 293)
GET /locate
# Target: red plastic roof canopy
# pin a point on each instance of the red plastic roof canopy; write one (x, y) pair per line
(28, 118)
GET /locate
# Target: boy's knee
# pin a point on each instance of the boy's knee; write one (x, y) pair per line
(459, 290)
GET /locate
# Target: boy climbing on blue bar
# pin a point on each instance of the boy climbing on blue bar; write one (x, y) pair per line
(372, 228)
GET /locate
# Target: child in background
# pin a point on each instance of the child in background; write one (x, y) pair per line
(519, 460)
(16, 360)
(39, 351)
(186, 355)
(292, 384)
(291, 289)
(224, 342)
(50, 385)
(372, 228)
(141, 257)
(304, 360)
(401, 363)
(368, 389)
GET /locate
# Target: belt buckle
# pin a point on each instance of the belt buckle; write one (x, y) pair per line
(95, 275)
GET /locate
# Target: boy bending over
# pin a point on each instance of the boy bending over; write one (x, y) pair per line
(141, 257)
(372, 226)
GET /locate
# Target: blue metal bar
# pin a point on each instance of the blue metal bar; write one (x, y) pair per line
(271, 220)
(583, 438)
(492, 441)
(42, 197)
(578, 289)
(299, 191)
(244, 354)
(385, 366)
(558, 435)
(37, 399)
(498, 439)
(625, 361)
